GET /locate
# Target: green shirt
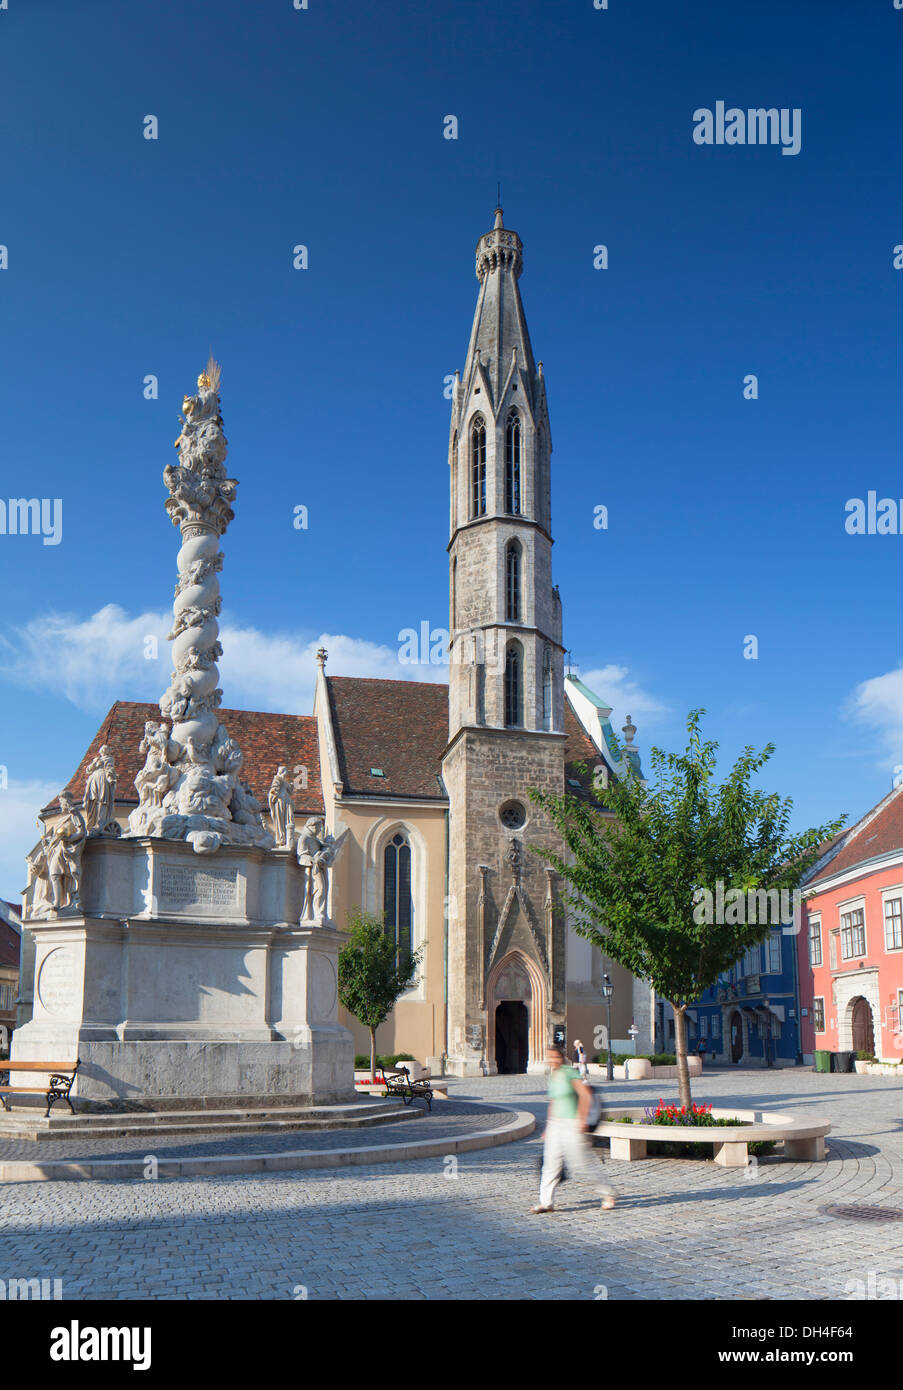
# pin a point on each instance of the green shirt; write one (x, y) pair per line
(562, 1096)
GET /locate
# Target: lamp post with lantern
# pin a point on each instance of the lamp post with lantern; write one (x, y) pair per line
(608, 990)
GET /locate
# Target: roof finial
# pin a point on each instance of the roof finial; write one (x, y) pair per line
(321, 657)
(629, 732)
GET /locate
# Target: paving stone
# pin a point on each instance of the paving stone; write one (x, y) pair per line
(681, 1228)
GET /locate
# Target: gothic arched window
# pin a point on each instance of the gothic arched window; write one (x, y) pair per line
(547, 688)
(397, 902)
(512, 582)
(512, 464)
(478, 467)
(513, 686)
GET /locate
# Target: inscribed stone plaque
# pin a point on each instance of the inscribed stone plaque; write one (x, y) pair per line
(182, 885)
(57, 983)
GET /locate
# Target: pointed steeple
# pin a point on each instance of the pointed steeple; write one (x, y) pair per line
(505, 613)
(499, 337)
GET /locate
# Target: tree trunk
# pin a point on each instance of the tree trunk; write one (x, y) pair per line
(372, 1054)
(680, 1043)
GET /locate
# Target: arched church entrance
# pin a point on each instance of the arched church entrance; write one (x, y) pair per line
(512, 1028)
(516, 1008)
(863, 1026)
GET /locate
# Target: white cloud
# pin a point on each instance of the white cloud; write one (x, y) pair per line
(93, 661)
(878, 702)
(277, 672)
(613, 685)
(90, 661)
(19, 806)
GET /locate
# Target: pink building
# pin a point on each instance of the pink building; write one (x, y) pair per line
(851, 943)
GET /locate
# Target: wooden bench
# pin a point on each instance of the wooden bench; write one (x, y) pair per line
(397, 1082)
(61, 1074)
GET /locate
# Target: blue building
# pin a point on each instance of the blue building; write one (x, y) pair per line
(751, 1016)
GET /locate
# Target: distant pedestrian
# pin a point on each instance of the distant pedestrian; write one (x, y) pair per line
(580, 1059)
(565, 1140)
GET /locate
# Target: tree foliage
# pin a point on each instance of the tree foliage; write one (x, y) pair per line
(373, 973)
(633, 882)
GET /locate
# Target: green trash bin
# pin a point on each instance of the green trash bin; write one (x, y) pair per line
(822, 1061)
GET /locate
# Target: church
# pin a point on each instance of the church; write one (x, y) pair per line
(431, 782)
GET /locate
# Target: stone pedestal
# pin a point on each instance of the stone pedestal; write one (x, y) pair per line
(187, 981)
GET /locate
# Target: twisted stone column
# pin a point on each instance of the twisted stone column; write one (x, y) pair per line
(189, 787)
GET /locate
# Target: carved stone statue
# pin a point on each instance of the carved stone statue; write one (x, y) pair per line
(245, 807)
(100, 790)
(317, 852)
(282, 809)
(57, 862)
(152, 782)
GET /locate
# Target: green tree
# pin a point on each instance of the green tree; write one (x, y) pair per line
(642, 886)
(373, 973)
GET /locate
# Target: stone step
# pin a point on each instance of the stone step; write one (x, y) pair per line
(133, 1125)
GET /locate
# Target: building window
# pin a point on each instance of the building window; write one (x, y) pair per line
(774, 954)
(397, 902)
(852, 934)
(512, 464)
(547, 689)
(815, 941)
(512, 582)
(478, 467)
(513, 815)
(818, 1015)
(454, 594)
(704, 1026)
(832, 947)
(513, 686)
(893, 924)
(716, 1025)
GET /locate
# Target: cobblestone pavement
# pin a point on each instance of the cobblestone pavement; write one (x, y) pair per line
(681, 1229)
(449, 1120)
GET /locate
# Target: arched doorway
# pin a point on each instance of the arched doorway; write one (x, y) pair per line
(736, 1036)
(512, 1044)
(516, 1007)
(863, 1027)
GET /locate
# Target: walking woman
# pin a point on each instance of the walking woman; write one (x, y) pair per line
(565, 1139)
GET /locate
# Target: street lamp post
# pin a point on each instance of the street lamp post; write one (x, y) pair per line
(607, 991)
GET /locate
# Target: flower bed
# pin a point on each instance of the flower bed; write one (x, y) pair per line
(700, 1115)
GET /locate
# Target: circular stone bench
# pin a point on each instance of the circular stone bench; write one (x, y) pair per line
(803, 1138)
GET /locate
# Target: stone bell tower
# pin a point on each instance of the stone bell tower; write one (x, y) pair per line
(506, 966)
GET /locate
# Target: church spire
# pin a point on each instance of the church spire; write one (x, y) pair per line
(499, 336)
(505, 613)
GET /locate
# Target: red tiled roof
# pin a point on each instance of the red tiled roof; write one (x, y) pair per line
(400, 727)
(878, 832)
(579, 747)
(265, 739)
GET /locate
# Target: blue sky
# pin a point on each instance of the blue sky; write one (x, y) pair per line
(324, 127)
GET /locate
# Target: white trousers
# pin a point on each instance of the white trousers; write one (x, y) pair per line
(566, 1144)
